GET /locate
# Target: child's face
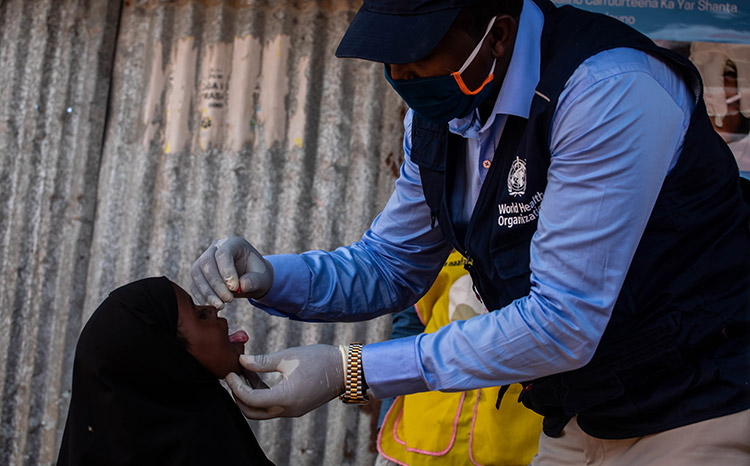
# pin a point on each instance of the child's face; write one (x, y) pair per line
(207, 335)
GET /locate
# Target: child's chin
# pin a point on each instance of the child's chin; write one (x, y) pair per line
(238, 369)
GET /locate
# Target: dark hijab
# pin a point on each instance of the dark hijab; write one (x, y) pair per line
(139, 398)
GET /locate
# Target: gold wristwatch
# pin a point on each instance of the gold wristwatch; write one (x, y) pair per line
(355, 387)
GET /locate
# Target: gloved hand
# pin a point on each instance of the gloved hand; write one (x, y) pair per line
(312, 376)
(253, 379)
(230, 267)
(711, 58)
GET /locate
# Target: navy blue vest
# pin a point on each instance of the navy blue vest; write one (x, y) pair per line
(677, 347)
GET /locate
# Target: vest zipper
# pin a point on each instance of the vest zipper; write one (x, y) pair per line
(468, 266)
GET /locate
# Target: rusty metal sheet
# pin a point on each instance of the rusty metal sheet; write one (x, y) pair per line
(132, 134)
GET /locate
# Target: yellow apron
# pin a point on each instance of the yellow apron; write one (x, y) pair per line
(463, 427)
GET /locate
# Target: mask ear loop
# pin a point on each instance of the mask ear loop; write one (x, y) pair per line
(457, 74)
(466, 90)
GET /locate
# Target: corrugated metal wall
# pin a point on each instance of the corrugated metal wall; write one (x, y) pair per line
(133, 134)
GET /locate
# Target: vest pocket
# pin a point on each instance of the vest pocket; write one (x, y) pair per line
(429, 147)
(511, 259)
(508, 278)
(656, 379)
(635, 368)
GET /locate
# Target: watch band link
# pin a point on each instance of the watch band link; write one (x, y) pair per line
(354, 381)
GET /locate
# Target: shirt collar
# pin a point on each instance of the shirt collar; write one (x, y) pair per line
(517, 90)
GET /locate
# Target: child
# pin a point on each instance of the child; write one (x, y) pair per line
(144, 339)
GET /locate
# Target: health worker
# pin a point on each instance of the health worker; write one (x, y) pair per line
(572, 163)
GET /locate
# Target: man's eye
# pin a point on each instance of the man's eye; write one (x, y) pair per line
(203, 315)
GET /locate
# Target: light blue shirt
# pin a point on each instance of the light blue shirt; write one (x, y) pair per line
(617, 131)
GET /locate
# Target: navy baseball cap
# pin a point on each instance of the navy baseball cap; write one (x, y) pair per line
(399, 31)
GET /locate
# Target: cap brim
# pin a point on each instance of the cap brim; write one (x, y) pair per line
(394, 39)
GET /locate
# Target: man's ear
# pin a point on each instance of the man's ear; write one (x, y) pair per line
(503, 35)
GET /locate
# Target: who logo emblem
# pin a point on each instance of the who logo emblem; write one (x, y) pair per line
(517, 178)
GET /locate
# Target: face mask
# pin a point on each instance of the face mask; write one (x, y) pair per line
(440, 99)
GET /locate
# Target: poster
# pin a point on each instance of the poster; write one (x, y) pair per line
(678, 20)
(715, 35)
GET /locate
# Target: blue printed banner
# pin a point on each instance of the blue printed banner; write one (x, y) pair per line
(678, 20)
